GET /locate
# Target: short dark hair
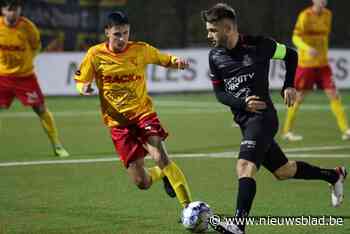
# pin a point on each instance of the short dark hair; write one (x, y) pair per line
(218, 12)
(11, 3)
(116, 18)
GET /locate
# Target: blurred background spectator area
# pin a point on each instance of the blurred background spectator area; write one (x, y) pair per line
(74, 25)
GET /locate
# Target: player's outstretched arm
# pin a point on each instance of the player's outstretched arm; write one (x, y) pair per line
(290, 58)
(179, 63)
(154, 56)
(85, 75)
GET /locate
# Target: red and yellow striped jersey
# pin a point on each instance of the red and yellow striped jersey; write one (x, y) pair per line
(121, 79)
(18, 47)
(312, 30)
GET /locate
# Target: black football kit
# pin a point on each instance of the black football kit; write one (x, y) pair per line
(242, 72)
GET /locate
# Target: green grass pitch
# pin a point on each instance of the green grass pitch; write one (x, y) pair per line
(98, 197)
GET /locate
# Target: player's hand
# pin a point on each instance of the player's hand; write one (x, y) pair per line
(181, 63)
(84, 89)
(313, 52)
(254, 104)
(290, 96)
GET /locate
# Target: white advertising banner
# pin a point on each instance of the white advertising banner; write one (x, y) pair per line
(56, 70)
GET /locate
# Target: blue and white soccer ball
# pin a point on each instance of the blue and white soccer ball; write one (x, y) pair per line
(195, 216)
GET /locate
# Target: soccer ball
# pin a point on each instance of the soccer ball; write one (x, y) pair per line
(195, 216)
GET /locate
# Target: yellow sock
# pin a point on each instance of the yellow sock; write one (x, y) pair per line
(291, 114)
(339, 113)
(156, 173)
(49, 126)
(178, 182)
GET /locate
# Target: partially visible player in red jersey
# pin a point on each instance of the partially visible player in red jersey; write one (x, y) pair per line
(118, 66)
(311, 34)
(19, 44)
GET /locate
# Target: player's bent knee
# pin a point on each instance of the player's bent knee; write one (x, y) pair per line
(245, 168)
(287, 171)
(142, 184)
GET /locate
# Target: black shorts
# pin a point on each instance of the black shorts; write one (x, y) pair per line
(258, 144)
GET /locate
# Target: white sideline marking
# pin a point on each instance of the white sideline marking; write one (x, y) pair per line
(190, 108)
(317, 148)
(229, 154)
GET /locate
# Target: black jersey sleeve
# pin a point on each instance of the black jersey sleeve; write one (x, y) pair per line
(267, 49)
(219, 88)
(291, 62)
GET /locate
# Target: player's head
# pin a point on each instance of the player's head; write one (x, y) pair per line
(117, 30)
(11, 10)
(319, 3)
(221, 24)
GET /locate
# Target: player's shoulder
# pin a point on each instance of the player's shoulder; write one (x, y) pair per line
(138, 44)
(247, 40)
(26, 22)
(306, 11)
(327, 12)
(98, 48)
(216, 52)
(141, 47)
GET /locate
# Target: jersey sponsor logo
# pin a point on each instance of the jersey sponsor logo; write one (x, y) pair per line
(242, 93)
(120, 98)
(234, 82)
(11, 48)
(121, 79)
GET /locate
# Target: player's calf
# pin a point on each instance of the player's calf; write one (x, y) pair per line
(139, 175)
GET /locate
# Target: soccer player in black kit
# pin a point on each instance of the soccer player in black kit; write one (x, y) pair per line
(239, 67)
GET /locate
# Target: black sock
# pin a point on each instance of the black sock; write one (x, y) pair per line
(308, 172)
(246, 194)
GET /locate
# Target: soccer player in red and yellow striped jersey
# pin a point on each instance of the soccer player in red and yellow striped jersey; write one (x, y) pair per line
(311, 35)
(19, 44)
(118, 67)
